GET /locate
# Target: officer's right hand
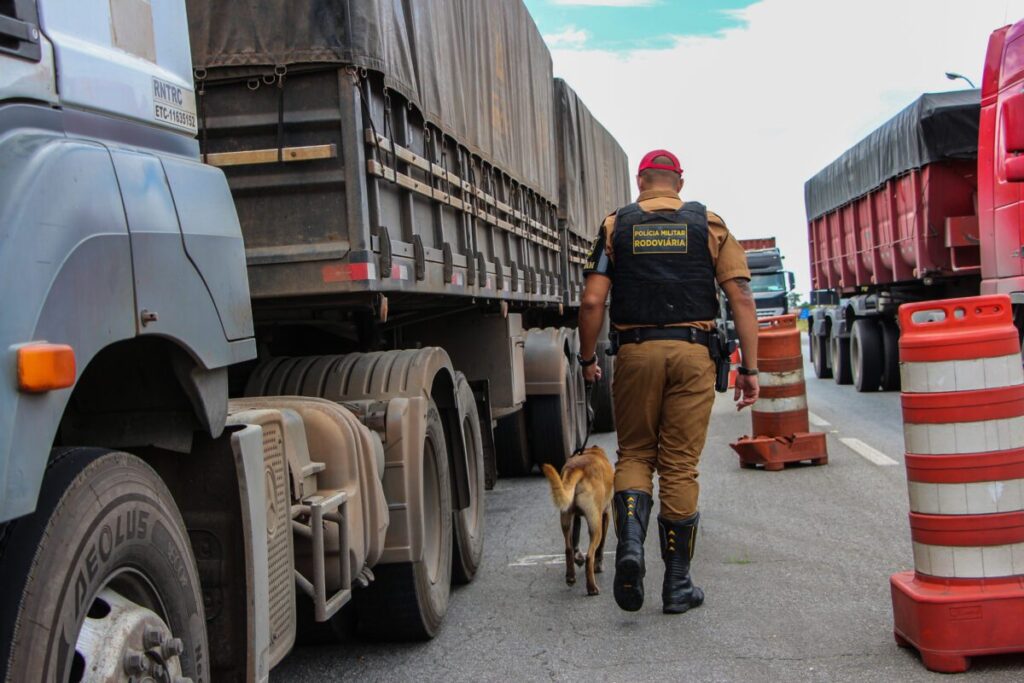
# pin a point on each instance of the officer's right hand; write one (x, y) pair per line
(747, 391)
(592, 373)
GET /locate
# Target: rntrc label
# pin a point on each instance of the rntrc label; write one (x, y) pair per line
(174, 105)
(660, 239)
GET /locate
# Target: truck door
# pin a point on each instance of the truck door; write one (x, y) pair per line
(171, 299)
(1008, 145)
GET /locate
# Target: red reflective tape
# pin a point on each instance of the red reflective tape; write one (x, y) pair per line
(966, 531)
(797, 388)
(966, 468)
(780, 364)
(348, 272)
(964, 406)
(937, 348)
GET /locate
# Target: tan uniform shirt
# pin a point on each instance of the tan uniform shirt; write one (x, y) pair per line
(727, 256)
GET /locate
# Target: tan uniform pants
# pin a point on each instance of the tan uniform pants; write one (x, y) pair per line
(663, 393)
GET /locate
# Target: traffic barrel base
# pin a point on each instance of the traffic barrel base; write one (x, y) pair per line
(950, 621)
(773, 453)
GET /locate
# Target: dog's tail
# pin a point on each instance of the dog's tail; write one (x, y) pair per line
(562, 490)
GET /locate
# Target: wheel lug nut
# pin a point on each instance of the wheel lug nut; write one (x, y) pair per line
(172, 647)
(134, 663)
(152, 637)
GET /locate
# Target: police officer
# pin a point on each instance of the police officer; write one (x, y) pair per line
(663, 261)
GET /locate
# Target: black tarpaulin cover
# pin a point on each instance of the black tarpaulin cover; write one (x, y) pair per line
(934, 127)
(478, 69)
(593, 171)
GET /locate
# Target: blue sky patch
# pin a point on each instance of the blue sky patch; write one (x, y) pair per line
(631, 24)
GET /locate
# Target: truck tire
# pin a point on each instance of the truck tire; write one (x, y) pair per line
(601, 394)
(890, 355)
(511, 446)
(468, 524)
(821, 355)
(866, 355)
(104, 556)
(551, 425)
(839, 359)
(408, 601)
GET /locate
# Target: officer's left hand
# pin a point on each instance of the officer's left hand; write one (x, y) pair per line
(592, 373)
(747, 391)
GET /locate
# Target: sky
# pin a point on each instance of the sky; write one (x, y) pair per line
(757, 97)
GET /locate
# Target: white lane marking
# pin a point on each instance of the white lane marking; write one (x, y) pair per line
(537, 560)
(868, 453)
(818, 420)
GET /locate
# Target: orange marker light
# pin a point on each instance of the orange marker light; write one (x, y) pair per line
(45, 367)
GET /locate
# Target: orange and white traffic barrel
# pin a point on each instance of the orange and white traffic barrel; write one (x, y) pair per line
(734, 366)
(779, 418)
(963, 414)
(782, 406)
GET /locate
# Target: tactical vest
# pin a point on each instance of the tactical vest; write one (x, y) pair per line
(663, 270)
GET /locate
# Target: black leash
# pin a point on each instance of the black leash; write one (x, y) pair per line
(590, 417)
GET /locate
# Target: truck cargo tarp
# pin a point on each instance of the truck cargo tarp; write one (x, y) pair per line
(477, 69)
(594, 170)
(933, 128)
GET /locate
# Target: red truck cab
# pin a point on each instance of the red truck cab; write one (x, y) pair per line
(1001, 163)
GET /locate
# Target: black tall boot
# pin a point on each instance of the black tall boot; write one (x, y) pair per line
(632, 512)
(678, 538)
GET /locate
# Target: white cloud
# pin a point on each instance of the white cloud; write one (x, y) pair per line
(607, 3)
(569, 38)
(757, 110)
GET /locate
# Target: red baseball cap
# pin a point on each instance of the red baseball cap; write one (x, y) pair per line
(648, 162)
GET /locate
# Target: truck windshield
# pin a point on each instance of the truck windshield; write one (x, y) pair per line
(768, 282)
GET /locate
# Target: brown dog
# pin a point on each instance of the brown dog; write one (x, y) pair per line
(584, 490)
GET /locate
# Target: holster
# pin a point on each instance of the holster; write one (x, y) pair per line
(722, 348)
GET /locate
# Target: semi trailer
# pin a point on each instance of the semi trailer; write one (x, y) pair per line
(925, 207)
(286, 282)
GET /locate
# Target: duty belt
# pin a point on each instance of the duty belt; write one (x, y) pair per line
(638, 335)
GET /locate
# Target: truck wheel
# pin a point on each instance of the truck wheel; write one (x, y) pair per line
(408, 601)
(890, 356)
(468, 524)
(512, 448)
(866, 355)
(99, 581)
(822, 353)
(601, 396)
(839, 358)
(551, 425)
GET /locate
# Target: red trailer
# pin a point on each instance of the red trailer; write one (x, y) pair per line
(925, 207)
(758, 243)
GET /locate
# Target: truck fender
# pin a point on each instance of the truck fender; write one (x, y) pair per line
(546, 352)
(377, 376)
(820, 323)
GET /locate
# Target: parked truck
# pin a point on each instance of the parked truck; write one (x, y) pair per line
(925, 207)
(770, 281)
(274, 308)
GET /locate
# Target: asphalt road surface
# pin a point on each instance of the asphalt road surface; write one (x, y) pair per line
(795, 565)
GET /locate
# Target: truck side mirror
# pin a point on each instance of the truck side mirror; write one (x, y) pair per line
(791, 280)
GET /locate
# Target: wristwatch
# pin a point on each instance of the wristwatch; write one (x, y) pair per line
(586, 363)
(747, 371)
